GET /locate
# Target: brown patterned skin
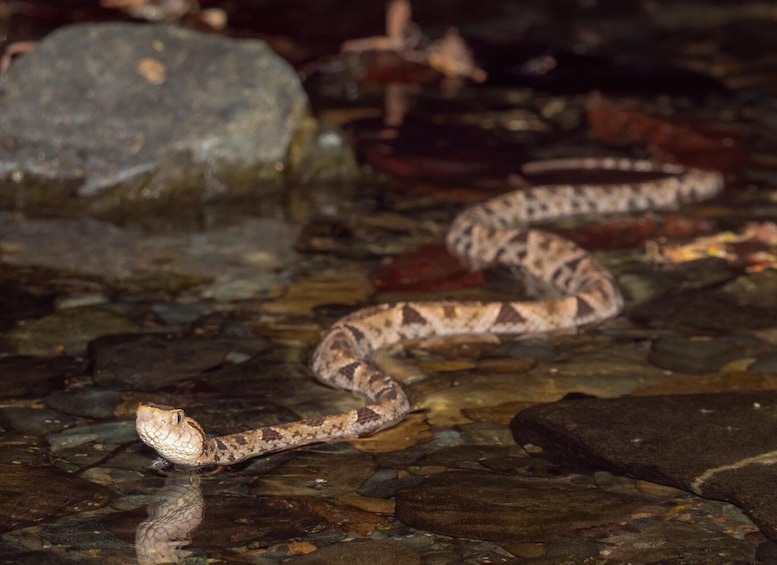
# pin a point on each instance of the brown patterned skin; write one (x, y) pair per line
(490, 233)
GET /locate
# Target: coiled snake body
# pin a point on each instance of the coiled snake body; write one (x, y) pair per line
(493, 232)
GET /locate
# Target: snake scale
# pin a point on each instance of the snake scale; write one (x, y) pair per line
(493, 232)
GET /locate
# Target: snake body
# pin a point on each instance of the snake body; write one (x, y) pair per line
(493, 232)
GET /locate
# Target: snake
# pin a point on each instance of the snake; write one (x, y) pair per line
(494, 232)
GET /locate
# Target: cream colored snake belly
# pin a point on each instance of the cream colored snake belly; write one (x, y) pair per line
(490, 233)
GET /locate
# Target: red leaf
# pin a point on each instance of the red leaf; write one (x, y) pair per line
(681, 142)
(425, 269)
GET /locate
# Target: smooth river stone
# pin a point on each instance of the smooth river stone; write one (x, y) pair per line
(361, 553)
(34, 421)
(68, 331)
(153, 361)
(720, 446)
(23, 376)
(32, 495)
(508, 508)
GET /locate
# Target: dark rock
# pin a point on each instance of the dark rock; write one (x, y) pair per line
(477, 505)
(100, 105)
(766, 553)
(689, 544)
(86, 402)
(361, 553)
(20, 303)
(151, 362)
(9, 556)
(765, 364)
(23, 376)
(326, 472)
(17, 448)
(534, 348)
(180, 313)
(721, 446)
(384, 483)
(35, 421)
(110, 433)
(757, 290)
(464, 456)
(68, 331)
(31, 495)
(703, 355)
(692, 311)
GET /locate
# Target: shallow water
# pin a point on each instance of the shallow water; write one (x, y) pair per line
(216, 308)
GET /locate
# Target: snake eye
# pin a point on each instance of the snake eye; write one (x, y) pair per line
(178, 418)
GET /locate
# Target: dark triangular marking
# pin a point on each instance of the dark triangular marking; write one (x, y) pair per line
(269, 434)
(389, 394)
(355, 332)
(509, 315)
(574, 264)
(584, 310)
(366, 415)
(467, 232)
(411, 316)
(315, 422)
(348, 370)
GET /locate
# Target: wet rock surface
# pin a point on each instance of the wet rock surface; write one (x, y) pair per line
(55, 494)
(361, 553)
(24, 376)
(475, 504)
(726, 449)
(165, 360)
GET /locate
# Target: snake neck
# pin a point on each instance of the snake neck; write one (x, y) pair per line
(383, 413)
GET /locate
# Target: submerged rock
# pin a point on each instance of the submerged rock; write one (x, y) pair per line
(497, 507)
(68, 331)
(30, 495)
(149, 108)
(720, 446)
(22, 376)
(384, 552)
(153, 361)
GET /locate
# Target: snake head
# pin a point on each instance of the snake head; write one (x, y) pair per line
(173, 435)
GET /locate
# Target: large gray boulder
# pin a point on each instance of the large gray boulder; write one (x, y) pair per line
(142, 110)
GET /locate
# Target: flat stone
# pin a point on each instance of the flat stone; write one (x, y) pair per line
(690, 311)
(22, 449)
(107, 433)
(327, 472)
(180, 313)
(703, 355)
(12, 555)
(20, 303)
(361, 553)
(720, 446)
(99, 105)
(508, 508)
(29, 495)
(22, 376)
(151, 362)
(68, 331)
(86, 402)
(35, 421)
